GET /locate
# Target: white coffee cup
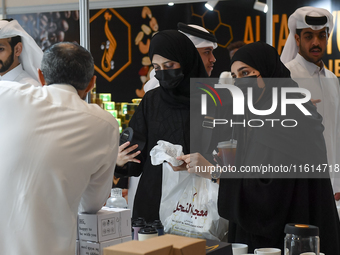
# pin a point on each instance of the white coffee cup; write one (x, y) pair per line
(147, 233)
(239, 248)
(267, 251)
(142, 237)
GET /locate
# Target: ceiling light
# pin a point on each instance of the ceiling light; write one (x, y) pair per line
(260, 6)
(210, 5)
(171, 4)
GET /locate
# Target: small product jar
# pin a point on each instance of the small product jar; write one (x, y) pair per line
(116, 200)
(147, 232)
(301, 239)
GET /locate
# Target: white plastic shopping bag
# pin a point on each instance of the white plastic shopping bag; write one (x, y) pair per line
(189, 202)
(190, 208)
(167, 152)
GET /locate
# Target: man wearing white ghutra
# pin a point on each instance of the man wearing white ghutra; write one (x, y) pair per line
(20, 56)
(306, 45)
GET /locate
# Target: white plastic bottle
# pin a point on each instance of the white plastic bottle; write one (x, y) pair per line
(116, 200)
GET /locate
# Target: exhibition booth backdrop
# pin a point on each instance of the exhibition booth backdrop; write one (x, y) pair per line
(120, 36)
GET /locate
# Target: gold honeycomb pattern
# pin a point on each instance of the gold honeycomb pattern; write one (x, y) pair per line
(222, 31)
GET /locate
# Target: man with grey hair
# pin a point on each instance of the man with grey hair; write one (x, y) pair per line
(79, 74)
(57, 156)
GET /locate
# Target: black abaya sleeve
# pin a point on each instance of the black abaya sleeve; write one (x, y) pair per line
(138, 124)
(258, 209)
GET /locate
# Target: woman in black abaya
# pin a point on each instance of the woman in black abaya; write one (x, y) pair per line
(163, 114)
(258, 207)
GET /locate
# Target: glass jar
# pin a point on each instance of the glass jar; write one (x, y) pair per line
(116, 200)
(300, 239)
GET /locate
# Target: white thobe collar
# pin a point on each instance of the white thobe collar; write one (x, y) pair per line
(67, 87)
(311, 67)
(13, 74)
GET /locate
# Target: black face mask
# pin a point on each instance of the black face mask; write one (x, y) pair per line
(169, 79)
(245, 83)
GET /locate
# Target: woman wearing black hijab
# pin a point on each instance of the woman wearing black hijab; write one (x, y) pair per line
(258, 207)
(163, 114)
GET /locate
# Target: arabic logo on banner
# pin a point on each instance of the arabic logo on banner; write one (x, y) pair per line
(114, 46)
(111, 45)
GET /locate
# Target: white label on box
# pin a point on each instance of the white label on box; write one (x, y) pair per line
(104, 225)
(89, 248)
(108, 226)
(124, 226)
(88, 227)
(94, 248)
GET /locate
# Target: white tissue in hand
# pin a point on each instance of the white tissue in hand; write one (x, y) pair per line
(165, 151)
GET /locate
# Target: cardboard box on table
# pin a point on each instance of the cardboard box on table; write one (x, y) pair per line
(138, 248)
(106, 224)
(166, 244)
(183, 245)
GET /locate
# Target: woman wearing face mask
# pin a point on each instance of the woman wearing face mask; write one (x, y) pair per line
(163, 114)
(258, 206)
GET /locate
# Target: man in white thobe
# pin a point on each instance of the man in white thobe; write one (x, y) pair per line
(20, 56)
(57, 156)
(306, 45)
